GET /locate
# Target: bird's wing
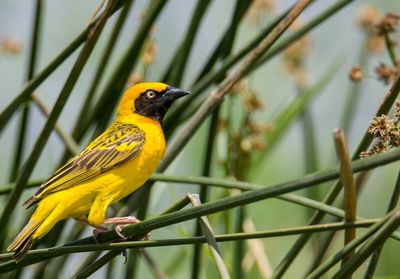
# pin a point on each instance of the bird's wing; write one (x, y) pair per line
(115, 146)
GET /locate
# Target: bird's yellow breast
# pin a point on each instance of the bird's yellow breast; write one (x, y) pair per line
(128, 177)
(117, 183)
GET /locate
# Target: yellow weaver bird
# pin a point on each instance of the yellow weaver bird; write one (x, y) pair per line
(111, 167)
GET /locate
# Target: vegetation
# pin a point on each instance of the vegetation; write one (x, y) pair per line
(261, 211)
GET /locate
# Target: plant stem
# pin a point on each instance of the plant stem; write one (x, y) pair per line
(38, 255)
(24, 95)
(210, 237)
(97, 265)
(366, 140)
(317, 273)
(55, 113)
(217, 95)
(100, 69)
(204, 188)
(375, 241)
(21, 136)
(244, 198)
(68, 141)
(375, 256)
(347, 180)
(176, 68)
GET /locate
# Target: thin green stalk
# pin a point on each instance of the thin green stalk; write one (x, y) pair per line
(365, 251)
(310, 148)
(142, 211)
(177, 66)
(94, 85)
(225, 45)
(239, 246)
(289, 114)
(110, 269)
(310, 144)
(326, 238)
(243, 186)
(88, 261)
(100, 69)
(334, 191)
(353, 94)
(68, 141)
(390, 49)
(347, 180)
(24, 95)
(196, 260)
(317, 273)
(153, 266)
(113, 89)
(21, 136)
(48, 127)
(217, 95)
(230, 184)
(212, 77)
(38, 255)
(177, 206)
(375, 256)
(97, 265)
(212, 243)
(245, 198)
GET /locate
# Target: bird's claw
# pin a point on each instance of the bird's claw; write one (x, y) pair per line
(125, 255)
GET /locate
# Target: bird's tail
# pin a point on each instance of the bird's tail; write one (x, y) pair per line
(24, 240)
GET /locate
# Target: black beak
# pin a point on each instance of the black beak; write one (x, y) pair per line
(173, 93)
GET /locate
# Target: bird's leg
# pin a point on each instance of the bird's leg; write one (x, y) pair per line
(119, 222)
(97, 229)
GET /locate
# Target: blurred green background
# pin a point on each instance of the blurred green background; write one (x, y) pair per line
(337, 39)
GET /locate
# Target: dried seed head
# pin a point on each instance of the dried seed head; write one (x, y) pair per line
(397, 111)
(239, 88)
(258, 8)
(259, 128)
(386, 73)
(388, 24)
(380, 126)
(355, 74)
(150, 51)
(368, 17)
(375, 43)
(10, 46)
(294, 56)
(252, 102)
(134, 78)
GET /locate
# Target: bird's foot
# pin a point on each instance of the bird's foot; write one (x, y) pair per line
(119, 222)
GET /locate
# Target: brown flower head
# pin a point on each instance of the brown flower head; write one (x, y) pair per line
(10, 46)
(368, 17)
(294, 56)
(258, 8)
(355, 74)
(386, 73)
(134, 78)
(252, 102)
(388, 24)
(397, 110)
(380, 126)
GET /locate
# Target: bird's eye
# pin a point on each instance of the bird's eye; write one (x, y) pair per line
(150, 95)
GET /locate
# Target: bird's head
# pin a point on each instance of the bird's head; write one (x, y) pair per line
(149, 99)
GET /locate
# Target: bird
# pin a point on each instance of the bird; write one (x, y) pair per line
(111, 167)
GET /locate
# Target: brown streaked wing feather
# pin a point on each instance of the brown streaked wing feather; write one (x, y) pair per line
(115, 146)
